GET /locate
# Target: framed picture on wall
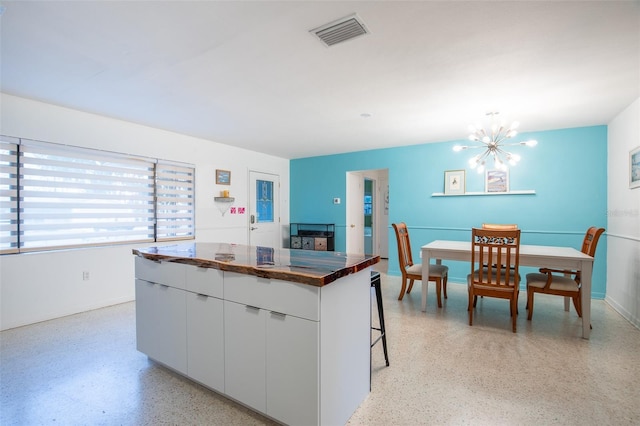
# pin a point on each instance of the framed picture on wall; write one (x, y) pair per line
(634, 168)
(454, 182)
(223, 177)
(496, 181)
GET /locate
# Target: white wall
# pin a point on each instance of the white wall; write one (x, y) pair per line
(623, 224)
(40, 286)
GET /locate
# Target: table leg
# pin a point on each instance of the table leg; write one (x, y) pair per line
(585, 273)
(567, 300)
(426, 259)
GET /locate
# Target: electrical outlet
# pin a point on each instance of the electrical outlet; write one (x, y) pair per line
(85, 275)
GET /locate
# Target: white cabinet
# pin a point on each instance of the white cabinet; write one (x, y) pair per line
(292, 360)
(272, 356)
(161, 315)
(298, 353)
(205, 340)
(244, 344)
(272, 363)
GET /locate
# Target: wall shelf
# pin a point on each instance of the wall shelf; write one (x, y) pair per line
(223, 203)
(468, 194)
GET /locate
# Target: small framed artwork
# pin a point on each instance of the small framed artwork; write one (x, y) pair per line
(454, 182)
(496, 181)
(634, 168)
(223, 177)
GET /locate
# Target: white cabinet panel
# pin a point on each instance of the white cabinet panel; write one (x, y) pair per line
(205, 281)
(244, 344)
(292, 359)
(161, 321)
(166, 273)
(300, 300)
(205, 340)
(147, 334)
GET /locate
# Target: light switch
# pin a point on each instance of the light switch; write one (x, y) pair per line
(336, 201)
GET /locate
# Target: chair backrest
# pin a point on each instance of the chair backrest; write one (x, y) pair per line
(499, 226)
(404, 245)
(591, 240)
(499, 248)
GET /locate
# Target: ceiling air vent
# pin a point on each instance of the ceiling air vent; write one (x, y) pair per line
(341, 30)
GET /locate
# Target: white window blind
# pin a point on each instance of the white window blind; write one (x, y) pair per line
(8, 195)
(73, 196)
(175, 204)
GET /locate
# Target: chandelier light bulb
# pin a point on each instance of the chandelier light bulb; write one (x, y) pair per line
(513, 159)
(493, 144)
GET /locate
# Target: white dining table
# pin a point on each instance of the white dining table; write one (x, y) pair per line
(530, 255)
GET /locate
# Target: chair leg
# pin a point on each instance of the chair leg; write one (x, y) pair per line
(475, 301)
(410, 286)
(577, 302)
(444, 285)
(404, 286)
(514, 312)
(439, 291)
(529, 303)
(470, 308)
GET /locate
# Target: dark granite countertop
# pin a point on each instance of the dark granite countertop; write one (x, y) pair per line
(317, 268)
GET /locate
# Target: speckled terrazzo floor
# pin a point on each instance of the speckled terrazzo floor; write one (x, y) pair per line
(84, 370)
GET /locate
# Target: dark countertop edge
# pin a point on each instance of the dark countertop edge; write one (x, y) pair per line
(267, 272)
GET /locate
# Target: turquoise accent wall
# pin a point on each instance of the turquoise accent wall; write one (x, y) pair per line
(567, 169)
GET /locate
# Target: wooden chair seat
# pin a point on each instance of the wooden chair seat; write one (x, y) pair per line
(559, 282)
(435, 271)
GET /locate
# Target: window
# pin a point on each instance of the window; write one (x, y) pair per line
(174, 201)
(264, 195)
(64, 196)
(8, 195)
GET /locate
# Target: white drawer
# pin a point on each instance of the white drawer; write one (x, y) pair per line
(286, 297)
(205, 281)
(167, 273)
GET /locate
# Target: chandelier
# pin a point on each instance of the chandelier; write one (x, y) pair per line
(493, 144)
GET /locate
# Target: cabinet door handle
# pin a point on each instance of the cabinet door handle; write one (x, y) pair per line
(280, 314)
(254, 308)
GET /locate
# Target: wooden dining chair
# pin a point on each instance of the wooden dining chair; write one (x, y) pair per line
(501, 249)
(413, 271)
(568, 284)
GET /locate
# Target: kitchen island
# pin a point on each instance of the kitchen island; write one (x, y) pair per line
(284, 332)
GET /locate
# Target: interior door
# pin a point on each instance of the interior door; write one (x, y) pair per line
(354, 216)
(264, 210)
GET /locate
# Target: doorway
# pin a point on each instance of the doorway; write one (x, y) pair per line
(367, 225)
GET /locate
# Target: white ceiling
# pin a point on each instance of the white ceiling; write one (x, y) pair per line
(249, 73)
